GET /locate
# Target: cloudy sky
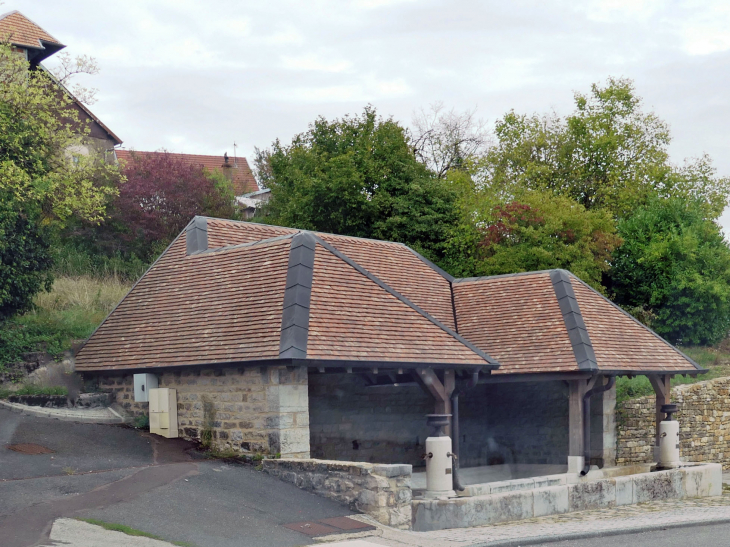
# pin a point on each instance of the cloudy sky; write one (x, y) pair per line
(194, 76)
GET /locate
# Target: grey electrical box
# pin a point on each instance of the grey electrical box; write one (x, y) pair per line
(142, 385)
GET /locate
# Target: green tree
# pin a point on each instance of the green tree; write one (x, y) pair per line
(41, 188)
(359, 176)
(674, 266)
(608, 154)
(537, 232)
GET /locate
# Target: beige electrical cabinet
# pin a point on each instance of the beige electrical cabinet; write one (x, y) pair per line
(163, 412)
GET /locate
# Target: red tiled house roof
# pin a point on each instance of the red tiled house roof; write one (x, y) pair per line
(241, 176)
(20, 31)
(239, 292)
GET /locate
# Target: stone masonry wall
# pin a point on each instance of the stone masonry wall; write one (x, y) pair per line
(500, 423)
(251, 410)
(704, 418)
(381, 491)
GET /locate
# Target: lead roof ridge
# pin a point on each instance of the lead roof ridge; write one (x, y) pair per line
(581, 344)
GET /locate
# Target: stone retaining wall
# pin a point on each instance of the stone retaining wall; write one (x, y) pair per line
(381, 491)
(704, 418)
(250, 410)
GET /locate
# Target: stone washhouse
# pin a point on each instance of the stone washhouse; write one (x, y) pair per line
(331, 349)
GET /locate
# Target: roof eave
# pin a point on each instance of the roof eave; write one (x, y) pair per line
(309, 363)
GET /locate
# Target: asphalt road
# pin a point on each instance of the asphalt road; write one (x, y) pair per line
(708, 535)
(152, 484)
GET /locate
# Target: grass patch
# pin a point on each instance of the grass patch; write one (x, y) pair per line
(124, 529)
(73, 308)
(715, 359)
(71, 261)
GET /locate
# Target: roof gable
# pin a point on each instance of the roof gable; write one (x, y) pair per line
(17, 29)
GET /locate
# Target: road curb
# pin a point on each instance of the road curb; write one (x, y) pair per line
(40, 412)
(535, 540)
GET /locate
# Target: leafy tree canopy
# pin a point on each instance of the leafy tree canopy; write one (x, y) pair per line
(41, 188)
(358, 176)
(609, 153)
(161, 195)
(674, 268)
(537, 232)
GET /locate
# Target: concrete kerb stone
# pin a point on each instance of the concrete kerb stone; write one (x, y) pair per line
(537, 540)
(67, 415)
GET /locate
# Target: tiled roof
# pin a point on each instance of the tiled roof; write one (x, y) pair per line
(553, 322)
(237, 292)
(17, 29)
(517, 320)
(226, 305)
(242, 176)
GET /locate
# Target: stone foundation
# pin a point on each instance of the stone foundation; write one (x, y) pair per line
(250, 410)
(381, 491)
(704, 418)
(576, 494)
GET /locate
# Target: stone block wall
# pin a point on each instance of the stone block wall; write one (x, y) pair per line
(704, 418)
(381, 491)
(500, 423)
(250, 410)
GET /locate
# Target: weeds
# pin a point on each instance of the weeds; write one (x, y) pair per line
(141, 422)
(209, 413)
(69, 470)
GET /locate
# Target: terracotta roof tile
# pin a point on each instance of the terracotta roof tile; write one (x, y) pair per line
(242, 177)
(17, 29)
(226, 305)
(400, 268)
(353, 318)
(619, 342)
(217, 307)
(517, 321)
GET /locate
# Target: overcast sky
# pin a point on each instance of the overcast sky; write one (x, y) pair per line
(193, 76)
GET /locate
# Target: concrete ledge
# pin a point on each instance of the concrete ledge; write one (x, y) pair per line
(694, 481)
(381, 491)
(91, 416)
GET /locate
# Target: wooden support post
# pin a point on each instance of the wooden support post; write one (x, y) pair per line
(576, 390)
(662, 387)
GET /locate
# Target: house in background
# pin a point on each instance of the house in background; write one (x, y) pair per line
(30, 40)
(246, 189)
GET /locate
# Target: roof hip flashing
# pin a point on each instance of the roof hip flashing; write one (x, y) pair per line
(573, 320)
(297, 297)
